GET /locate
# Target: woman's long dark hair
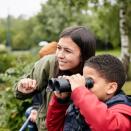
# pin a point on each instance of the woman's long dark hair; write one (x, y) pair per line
(85, 40)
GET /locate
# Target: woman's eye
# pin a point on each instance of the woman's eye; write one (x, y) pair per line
(68, 51)
(58, 47)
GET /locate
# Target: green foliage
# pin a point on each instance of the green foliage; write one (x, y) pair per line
(21, 33)
(6, 61)
(103, 19)
(20, 30)
(54, 20)
(106, 23)
(20, 41)
(2, 30)
(12, 110)
(3, 49)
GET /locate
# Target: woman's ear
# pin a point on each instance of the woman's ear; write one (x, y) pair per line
(112, 87)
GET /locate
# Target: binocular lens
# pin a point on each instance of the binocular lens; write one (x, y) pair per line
(50, 86)
(63, 85)
(89, 83)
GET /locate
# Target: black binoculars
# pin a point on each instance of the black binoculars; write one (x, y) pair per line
(63, 85)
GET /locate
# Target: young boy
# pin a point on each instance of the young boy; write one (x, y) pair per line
(104, 107)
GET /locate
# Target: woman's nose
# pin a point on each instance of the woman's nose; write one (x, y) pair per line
(61, 54)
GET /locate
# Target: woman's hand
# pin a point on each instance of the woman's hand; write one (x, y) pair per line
(33, 115)
(26, 85)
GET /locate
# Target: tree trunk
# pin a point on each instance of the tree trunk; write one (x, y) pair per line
(125, 55)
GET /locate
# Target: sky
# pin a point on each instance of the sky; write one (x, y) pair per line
(16, 8)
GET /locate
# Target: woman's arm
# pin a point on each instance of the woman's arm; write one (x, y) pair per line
(42, 70)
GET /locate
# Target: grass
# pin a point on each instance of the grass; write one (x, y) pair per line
(112, 52)
(3, 129)
(127, 87)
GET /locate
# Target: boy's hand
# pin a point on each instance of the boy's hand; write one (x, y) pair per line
(26, 85)
(76, 81)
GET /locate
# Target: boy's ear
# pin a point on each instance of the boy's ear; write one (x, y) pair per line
(112, 88)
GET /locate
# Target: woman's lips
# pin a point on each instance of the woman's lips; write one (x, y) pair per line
(62, 62)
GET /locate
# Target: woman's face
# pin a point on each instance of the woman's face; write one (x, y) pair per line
(68, 54)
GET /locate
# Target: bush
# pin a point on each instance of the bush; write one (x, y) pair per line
(12, 110)
(6, 61)
(3, 48)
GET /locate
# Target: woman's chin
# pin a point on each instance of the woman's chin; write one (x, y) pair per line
(63, 68)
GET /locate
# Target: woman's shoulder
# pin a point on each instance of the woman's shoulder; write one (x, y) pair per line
(47, 59)
(50, 57)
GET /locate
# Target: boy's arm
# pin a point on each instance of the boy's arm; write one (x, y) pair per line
(97, 114)
(55, 115)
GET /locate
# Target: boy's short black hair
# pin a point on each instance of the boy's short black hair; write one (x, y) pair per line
(109, 67)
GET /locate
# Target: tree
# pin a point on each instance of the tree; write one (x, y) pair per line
(125, 55)
(56, 15)
(20, 41)
(114, 20)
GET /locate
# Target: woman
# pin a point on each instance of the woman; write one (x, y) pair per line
(75, 45)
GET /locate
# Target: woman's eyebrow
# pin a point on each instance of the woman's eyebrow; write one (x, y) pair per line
(66, 48)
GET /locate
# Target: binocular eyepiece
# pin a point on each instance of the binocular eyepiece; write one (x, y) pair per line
(63, 85)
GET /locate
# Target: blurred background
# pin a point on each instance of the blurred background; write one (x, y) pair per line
(25, 26)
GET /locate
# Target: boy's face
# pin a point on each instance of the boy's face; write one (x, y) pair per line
(101, 86)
